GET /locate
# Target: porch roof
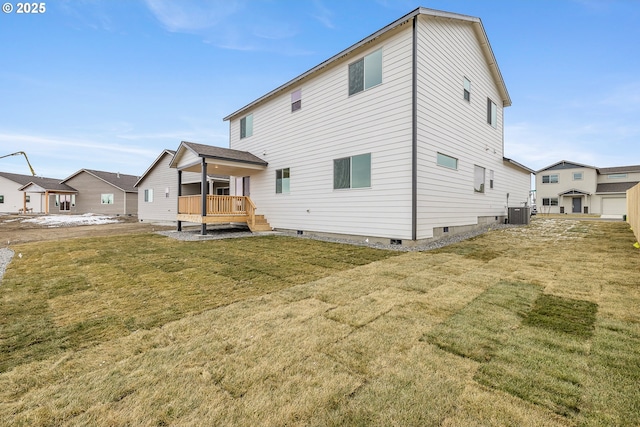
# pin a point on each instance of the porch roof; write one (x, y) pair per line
(574, 192)
(220, 161)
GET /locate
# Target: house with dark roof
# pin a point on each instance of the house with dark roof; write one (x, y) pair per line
(27, 193)
(206, 208)
(158, 189)
(398, 138)
(574, 188)
(109, 193)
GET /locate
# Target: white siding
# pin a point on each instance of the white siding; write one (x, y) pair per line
(333, 125)
(13, 199)
(158, 179)
(448, 52)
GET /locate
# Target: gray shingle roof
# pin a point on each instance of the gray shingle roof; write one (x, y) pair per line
(223, 153)
(121, 181)
(619, 169)
(51, 184)
(615, 187)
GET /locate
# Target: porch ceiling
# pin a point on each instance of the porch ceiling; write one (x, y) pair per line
(224, 167)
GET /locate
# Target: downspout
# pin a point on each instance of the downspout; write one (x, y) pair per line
(178, 201)
(204, 190)
(414, 133)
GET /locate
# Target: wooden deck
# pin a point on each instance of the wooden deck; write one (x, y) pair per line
(221, 209)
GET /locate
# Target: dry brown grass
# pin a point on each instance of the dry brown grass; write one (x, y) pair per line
(370, 345)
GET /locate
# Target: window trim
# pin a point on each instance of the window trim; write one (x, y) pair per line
(296, 100)
(148, 195)
(351, 174)
(492, 113)
(491, 180)
(443, 156)
(581, 174)
(617, 176)
(365, 87)
(481, 188)
(110, 200)
(282, 181)
(246, 130)
(466, 89)
(1, 198)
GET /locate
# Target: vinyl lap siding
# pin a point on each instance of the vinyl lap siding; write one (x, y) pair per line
(448, 51)
(160, 178)
(333, 125)
(88, 199)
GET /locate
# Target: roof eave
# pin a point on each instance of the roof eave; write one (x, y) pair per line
(419, 11)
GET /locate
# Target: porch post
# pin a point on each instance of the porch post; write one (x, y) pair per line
(179, 194)
(204, 190)
(24, 202)
(46, 202)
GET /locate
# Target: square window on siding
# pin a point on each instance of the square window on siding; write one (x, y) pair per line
(492, 113)
(283, 177)
(466, 94)
(296, 100)
(106, 199)
(27, 198)
(352, 172)
(1, 198)
(365, 73)
(447, 161)
(148, 195)
(478, 179)
(577, 176)
(549, 179)
(246, 126)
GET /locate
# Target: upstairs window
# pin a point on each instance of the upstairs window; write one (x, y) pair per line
(352, 172)
(246, 126)
(466, 94)
(577, 176)
(478, 179)
(283, 177)
(492, 113)
(447, 161)
(549, 179)
(365, 73)
(296, 100)
(617, 176)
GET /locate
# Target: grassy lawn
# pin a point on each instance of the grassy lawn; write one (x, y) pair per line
(537, 326)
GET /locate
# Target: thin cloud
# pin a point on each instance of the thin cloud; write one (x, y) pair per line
(192, 16)
(323, 14)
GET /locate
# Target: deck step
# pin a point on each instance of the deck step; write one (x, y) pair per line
(261, 224)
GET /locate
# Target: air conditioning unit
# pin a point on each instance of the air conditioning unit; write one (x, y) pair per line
(519, 215)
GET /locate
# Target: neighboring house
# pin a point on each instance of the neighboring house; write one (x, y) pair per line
(20, 192)
(398, 137)
(158, 189)
(570, 187)
(100, 192)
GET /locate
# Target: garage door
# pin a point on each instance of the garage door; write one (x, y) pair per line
(614, 206)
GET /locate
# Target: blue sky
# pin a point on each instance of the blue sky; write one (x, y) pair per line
(109, 84)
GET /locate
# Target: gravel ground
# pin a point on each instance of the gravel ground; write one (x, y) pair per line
(6, 255)
(214, 233)
(224, 232)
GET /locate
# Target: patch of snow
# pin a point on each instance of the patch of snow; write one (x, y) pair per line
(72, 220)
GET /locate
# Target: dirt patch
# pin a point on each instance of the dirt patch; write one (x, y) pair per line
(14, 230)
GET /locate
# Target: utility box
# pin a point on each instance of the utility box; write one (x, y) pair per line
(519, 216)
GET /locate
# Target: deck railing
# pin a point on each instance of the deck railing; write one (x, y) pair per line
(215, 205)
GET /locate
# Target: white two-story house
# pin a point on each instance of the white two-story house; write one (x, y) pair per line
(573, 188)
(399, 138)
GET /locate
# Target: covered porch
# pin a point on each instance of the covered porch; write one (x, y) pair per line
(579, 201)
(206, 208)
